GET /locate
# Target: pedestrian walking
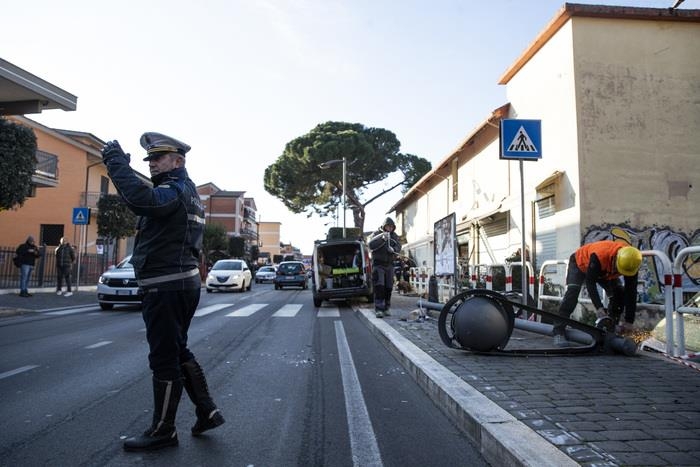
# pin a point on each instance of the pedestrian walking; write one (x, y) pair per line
(65, 256)
(166, 263)
(385, 247)
(27, 253)
(602, 263)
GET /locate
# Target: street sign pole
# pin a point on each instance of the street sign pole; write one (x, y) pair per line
(521, 140)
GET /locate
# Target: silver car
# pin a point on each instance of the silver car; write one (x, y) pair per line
(117, 286)
(265, 274)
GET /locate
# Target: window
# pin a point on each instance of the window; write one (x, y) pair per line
(546, 207)
(50, 234)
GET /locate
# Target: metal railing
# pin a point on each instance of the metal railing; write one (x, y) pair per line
(44, 274)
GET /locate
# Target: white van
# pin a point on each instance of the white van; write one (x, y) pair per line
(341, 267)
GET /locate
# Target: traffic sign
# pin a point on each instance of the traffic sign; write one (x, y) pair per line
(521, 139)
(81, 216)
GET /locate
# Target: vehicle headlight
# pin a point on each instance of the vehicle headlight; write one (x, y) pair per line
(102, 280)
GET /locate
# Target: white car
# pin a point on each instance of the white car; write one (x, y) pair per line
(229, 274)
(117, 286)
(265, 273)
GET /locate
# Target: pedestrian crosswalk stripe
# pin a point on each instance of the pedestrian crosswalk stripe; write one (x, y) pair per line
(522, 142)
(248, 309)
(211, 309)
(330, 313)
(287, 311)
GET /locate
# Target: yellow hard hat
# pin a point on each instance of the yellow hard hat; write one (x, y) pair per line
(628, 260)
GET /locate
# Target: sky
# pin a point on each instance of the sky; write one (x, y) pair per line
(237, 80)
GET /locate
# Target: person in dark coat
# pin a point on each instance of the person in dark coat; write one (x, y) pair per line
(65, 256)
(385, 247)
(166, 261)
(27, 253)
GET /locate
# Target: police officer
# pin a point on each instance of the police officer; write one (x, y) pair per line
(602, 263)
(385, 247)
(166, 262)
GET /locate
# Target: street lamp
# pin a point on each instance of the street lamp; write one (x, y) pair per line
(328, 165)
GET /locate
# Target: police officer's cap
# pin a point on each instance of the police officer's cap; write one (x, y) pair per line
(157, 143)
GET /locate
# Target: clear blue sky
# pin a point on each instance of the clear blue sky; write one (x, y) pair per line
(239, 79)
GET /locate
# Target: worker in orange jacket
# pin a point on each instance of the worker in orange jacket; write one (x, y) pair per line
(602, 263)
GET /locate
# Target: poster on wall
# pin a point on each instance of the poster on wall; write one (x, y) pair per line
(444, 235)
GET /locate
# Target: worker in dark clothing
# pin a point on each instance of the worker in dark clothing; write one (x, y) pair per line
(166, 262)
(385, 247)
(27, 253)
(602, 263)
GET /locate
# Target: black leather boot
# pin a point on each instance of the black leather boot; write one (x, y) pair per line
(208, 415)
(162, 433)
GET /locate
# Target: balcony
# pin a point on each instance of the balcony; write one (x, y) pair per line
(46, 171)
(92, 198)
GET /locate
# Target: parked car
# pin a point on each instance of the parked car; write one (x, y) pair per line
(117, 286)
(229, 274)
(290, 273)
(341, 267)
(265, 274)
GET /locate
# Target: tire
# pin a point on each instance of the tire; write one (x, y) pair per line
(208, 290)
(250, 286)
(106, 306)
(317, 302)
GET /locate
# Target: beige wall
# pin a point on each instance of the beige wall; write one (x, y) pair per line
(637, 97)
(270, 237)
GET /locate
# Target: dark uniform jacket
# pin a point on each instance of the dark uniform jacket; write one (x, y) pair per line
(170, 226)
(384, 252)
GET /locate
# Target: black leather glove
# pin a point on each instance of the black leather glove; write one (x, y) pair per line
(111, 150)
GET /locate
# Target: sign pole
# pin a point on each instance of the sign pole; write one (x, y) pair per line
(523, 279)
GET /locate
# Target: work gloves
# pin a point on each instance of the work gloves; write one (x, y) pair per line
(113, 150)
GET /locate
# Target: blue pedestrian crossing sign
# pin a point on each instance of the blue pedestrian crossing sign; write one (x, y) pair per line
(521, 139)
(81, 216)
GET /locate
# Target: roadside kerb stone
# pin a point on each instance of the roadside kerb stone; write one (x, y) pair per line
(501, 438)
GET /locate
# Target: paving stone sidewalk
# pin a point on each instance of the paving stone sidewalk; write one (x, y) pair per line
(600, 410)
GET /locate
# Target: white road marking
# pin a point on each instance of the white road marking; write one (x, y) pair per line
(99, 344)
(287, 311)
(328, 313)
(248, 309)
(363, 442)
(69, 311)
(211, 309)
(17, 371)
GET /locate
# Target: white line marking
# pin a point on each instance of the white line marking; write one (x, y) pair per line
(363, 442)
(66, 312)
(248, 309)
(211, 309)
(332, 313)
(16, 371)
(99, 344)
(287, 311)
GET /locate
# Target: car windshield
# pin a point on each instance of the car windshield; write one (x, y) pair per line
(228, 266)
(125, 264)
(267, 269)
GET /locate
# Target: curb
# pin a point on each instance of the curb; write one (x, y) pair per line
(500, 437)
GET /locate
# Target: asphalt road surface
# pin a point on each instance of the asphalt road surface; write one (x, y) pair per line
(297, 385)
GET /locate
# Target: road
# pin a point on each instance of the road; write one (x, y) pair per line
(297, 385)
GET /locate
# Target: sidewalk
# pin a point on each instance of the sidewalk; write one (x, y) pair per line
(11, 304)
(590, 410)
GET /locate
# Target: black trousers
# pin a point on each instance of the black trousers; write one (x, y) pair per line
(575, 279)
(383, 283)
(168, 315)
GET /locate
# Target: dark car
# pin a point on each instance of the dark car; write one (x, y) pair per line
(291, 273)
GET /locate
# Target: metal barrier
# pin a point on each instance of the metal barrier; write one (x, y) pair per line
(419, 277)
(668, 294)
(678, 298)
(542, 297)
(530, 280)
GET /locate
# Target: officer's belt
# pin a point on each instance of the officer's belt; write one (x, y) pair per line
(167, 278)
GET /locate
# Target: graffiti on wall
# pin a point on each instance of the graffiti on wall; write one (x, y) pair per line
(662, 239)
